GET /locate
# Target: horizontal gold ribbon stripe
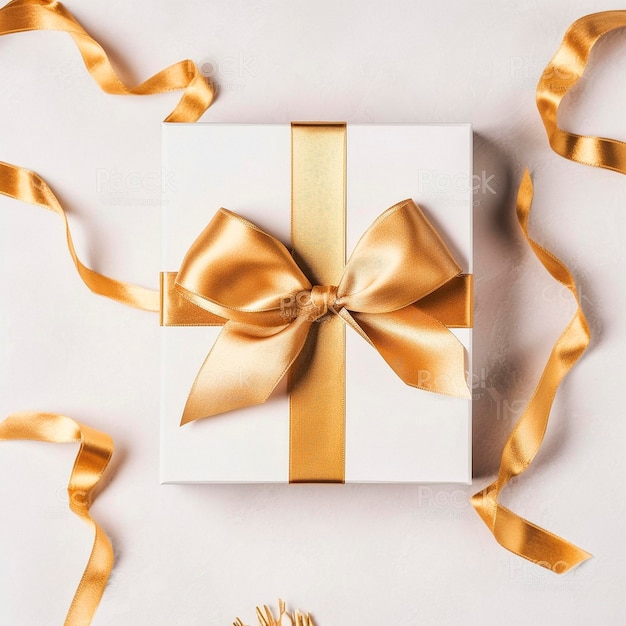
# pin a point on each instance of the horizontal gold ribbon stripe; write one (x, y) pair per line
(452, 304)
(318, 234)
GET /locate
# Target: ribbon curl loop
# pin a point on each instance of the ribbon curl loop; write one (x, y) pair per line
(562, 74)
(240, 273)
(25, 185)
(509, 529)
(92, 459)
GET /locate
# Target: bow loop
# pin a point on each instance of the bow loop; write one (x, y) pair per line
(242, 274)
(399, 260)
(237, 271)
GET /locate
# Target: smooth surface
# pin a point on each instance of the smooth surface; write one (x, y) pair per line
(201, 555)
(394, 433)
(317, 396)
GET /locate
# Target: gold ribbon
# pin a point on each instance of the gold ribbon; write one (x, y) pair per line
(236, 271)
(562, 73)
(317, 382)
(25, 185)
(511, 531)
(92, 459)
(22, 184)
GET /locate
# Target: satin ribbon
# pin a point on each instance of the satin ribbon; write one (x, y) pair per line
(562, 73)
(92, 459)
(25, 185)
(238, 272)
(317, 380)
(510, 530)
(22, 184)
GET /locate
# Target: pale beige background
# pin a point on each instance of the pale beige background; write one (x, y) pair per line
(367, 555)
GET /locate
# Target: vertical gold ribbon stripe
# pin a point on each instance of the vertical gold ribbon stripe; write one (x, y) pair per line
(317, 400)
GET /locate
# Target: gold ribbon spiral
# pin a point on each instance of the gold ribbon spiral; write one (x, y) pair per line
(510, 530)
(92, 459)
(25, 185)
(562, 73)
(22, 184)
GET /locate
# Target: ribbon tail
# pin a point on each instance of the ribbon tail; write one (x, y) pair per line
(244, 367)
(418, 347)
(510, 530)
(562, 73)
(22, 184)
(525, 538)
(28, 15)
(92, 459)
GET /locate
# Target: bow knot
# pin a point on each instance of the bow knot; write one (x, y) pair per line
(313, 304)
(240, 273)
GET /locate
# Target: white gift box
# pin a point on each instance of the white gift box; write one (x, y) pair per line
(394, 433)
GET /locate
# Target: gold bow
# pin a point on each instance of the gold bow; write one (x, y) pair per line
(511, 531)
(394, 282)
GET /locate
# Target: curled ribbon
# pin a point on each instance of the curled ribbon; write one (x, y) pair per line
(510, 530)
(26, 15)
(27, 186)
(562, 73)
(238, 272)
(92, 459)
(22, 184)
